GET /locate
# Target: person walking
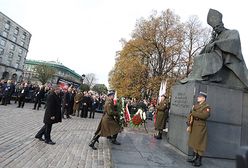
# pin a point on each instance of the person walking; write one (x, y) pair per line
(109, 124)
(197, 129)
(52, 116)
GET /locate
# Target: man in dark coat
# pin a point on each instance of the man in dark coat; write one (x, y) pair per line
(52, 116)
(23, 94)
(109, 124)
(66, 102)
(39, 95)
(197, 128)
(86, 105)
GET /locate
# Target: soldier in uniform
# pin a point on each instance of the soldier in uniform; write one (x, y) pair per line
(109, 124)
(197, 129)
(161, 116)
(77, 101)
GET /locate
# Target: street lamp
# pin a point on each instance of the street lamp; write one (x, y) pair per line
(82, 79)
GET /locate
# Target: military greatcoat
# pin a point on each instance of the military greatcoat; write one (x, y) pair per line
(198, 134)
(161, 115)
(109, 124)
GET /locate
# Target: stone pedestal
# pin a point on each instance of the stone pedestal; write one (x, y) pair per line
(227, 125)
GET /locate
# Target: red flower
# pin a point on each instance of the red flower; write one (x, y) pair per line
(136, 120)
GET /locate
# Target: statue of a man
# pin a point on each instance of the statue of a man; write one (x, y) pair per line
(221, 57)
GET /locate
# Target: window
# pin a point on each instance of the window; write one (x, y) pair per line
(19, 58)
(12, 47)
(20, 51)
(1, 51)
(17, 65)
(16, 31)
(22, 43)
(14, 39)
(3, 42)
(5, 34)
(7, 25)
(9, 62)
(10, 55)
(24, 36)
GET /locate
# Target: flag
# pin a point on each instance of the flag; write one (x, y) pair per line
(115, 98)
(162, 89)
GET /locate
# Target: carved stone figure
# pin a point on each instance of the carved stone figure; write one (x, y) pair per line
(221, 60)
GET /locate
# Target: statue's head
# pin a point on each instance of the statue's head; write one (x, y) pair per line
(215, 20)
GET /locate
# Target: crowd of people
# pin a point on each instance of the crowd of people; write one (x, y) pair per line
(74, 102)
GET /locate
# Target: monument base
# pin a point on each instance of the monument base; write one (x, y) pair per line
(227, 124)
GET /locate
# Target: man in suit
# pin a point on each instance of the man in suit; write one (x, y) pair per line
(52, 116)
(23, 94)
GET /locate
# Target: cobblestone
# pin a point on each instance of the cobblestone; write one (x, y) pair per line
(19, 148)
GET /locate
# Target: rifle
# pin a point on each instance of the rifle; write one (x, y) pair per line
(190, 122)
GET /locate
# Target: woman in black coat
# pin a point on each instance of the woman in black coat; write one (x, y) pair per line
(52, 116)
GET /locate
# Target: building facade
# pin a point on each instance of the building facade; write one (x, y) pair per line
(14, 44)
(63, 75)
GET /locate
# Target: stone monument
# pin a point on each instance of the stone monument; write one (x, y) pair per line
(220, 71)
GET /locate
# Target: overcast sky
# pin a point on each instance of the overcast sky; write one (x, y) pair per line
(84, 34)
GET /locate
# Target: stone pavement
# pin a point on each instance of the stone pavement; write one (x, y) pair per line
(19, 148)
(141, 150)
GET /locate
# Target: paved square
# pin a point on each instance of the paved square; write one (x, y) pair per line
(19, 148)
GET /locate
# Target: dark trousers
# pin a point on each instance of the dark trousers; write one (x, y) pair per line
(37, 101)
(114, 136)
(21, 101)
(65, 111)
(84, 113)
(46, 131)
(92, 113)
(4, 100)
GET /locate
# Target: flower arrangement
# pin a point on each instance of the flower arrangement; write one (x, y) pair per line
(119, 107)
(138, 118)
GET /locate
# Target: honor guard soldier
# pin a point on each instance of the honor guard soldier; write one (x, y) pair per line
(197, 129)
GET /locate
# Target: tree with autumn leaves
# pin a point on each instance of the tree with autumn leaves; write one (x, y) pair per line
(161, 48)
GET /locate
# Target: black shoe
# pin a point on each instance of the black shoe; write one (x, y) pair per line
(92, 146)
(115, 142)
(68, 117)
(197, 162)
(40, 138)
(191, 160)
(50, 142)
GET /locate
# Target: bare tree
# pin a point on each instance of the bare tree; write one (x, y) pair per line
(90, 79)
(195, 37)
(44, 72)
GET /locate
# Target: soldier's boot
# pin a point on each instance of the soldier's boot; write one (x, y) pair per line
(191, 160)
(93, 141)
(114, 141)
(159, 136)
(197, 162)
